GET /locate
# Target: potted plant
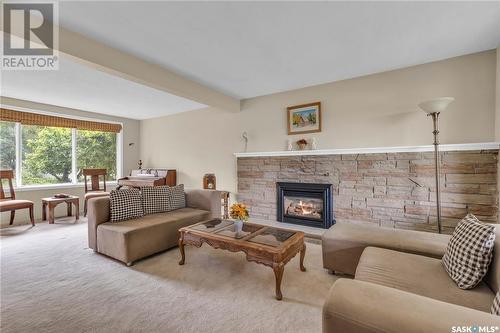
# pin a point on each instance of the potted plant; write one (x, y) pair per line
(239, 213)
(302, 143)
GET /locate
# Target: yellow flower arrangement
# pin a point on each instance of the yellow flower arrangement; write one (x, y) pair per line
(239, 211)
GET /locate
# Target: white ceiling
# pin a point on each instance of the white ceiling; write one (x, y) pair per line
(247, 49)
(81, 87)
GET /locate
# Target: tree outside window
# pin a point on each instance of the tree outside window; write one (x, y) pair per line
(46, 155)
(8, 146)
(96, 150)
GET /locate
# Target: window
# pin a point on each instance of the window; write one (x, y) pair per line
(8, 145)
(96, 150)
(48, 155)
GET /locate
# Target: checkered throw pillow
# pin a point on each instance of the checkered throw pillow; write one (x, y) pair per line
(495, 308)
(156, 199)
(125, 204)
(177, 197)
(469, 252)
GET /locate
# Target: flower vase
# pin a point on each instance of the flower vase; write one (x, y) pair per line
(238, 226)
(302, 146)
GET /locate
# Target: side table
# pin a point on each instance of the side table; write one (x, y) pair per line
(52, 202)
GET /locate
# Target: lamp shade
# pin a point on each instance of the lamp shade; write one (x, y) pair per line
(436, 105)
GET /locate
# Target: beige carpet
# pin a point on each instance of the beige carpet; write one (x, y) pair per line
(51, 282)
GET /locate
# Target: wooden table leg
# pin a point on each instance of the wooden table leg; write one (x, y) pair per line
(77, 210)
(302, 255)
(44, 211)
(278, 274)
(51, 213)
(12, 216)
(181, 248)
(69, 205)
(32, 215)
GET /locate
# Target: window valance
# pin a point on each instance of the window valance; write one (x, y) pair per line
(29, 118)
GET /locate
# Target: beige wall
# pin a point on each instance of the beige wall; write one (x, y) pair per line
(372, 111)
(497, 111)
(381, 110)
(194, 143)
(131, 154)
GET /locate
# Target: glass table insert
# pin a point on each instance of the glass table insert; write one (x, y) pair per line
(253, 233)
(272, 236)
(212, 225)
(247, 229)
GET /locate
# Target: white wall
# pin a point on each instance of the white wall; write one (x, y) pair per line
(372, 111)
(131, 154)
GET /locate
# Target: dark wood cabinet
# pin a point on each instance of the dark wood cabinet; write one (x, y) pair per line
(149, 177)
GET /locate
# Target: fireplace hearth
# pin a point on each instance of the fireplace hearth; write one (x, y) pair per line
(305, 203)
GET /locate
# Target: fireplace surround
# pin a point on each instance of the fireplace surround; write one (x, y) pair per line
(390, 187)
(305, 204)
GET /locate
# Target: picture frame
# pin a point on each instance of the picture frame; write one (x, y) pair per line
(304, 118)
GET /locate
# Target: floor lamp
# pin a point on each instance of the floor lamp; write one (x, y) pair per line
(433, 108)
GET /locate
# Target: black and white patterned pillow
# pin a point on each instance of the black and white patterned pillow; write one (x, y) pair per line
(469, 252)
(125, 204)
(177, 197)
(495, 307)
(156, 199)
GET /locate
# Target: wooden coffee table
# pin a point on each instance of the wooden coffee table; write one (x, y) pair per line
(52, 202)
(268, 246)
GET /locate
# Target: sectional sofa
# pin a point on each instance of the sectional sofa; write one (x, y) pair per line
(400, 284)
(131, 240)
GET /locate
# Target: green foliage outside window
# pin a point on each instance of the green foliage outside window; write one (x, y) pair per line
(7, 145)
(96, 150)
(46, 155)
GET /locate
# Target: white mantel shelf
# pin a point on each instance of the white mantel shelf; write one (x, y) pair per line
(403, 149)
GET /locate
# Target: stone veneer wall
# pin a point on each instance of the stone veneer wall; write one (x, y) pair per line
(388, 189)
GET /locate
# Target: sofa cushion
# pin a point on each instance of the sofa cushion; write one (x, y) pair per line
(360, 307)
(495, 307)
(492, 278)
(343, 244)
(135, 239)
(469, 252)
(125, 204)
(156, 199)
(419, 275)
(177, 197)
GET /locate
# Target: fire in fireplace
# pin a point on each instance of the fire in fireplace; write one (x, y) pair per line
(305, 207)
(305, 203)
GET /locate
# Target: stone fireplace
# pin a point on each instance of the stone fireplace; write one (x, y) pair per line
(384, 187)
(305, 203)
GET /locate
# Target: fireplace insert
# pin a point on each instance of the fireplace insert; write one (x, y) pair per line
(305, 203)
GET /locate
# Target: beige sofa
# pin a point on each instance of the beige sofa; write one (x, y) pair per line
(399, 283)
(131, 240)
